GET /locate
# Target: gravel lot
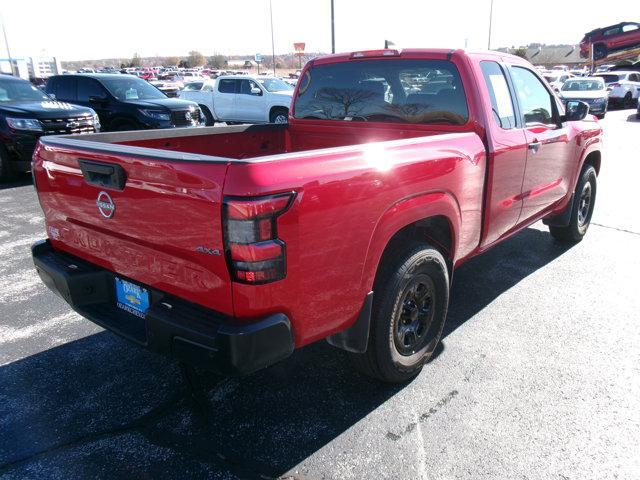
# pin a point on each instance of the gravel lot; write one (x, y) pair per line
(538, 376)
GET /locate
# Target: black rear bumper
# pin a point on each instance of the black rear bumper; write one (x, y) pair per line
(174, 327)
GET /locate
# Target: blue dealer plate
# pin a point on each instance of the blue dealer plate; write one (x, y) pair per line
(131, 298)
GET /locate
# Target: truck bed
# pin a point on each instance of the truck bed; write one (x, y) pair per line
(237, 142)
(347, 181)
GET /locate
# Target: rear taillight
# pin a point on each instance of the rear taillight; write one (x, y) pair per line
(254, 252)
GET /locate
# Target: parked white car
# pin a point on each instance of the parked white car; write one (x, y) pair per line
(241, 99)
(590, 90)
(556, 78)
(623, 87)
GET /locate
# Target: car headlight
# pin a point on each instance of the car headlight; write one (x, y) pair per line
(30, 124)
(96, 120)
(156, 114)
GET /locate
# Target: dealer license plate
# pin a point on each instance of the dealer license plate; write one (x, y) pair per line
(131, 298)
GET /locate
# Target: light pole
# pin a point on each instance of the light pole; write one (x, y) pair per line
(333, 32)
(273, 48)
(6, 43)
(490, 21)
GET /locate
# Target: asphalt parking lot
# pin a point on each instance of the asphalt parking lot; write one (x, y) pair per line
(538, 376)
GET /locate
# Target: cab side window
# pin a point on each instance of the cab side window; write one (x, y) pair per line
(535, 100)
(246, 86)
(227, 86)
(87, 88)
(501, 102)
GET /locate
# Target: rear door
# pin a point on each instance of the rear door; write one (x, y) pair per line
(151, 216)
(550, 152)
(225, 99)
(508, 155)
(629, 36)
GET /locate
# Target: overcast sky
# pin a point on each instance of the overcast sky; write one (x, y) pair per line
(74, 30)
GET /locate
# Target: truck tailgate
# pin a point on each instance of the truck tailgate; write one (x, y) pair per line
(160, 226)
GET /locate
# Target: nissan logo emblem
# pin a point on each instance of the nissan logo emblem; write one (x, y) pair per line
(105, 205)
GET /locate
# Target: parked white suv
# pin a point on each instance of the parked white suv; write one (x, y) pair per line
(556, 78)
(623, 87)
(241, 99)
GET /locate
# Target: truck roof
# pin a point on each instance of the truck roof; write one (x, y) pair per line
(414, 53)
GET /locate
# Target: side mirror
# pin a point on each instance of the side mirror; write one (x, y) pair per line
(256, 91)
(576, 110)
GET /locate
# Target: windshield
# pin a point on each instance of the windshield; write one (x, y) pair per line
(275, 85)
(399, 91)
(610, 78)
(20, 91)
(131, 88)
(582, 85)
(551, 79)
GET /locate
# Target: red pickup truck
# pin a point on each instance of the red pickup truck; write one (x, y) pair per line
(229, 247)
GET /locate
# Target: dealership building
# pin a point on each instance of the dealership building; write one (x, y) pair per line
(31, 67)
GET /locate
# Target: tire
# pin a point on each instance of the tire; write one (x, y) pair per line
(584, 201)
(628, 100)
(7, 172)
(599, 51)
(279, 115)
(207, 114)
(410, 301)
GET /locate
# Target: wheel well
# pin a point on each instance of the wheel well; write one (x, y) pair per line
(593, 159)
(435, 231)
(277, 108)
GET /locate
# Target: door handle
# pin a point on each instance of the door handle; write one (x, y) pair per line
(534, 146)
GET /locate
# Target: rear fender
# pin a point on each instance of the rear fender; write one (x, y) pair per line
(405, 213)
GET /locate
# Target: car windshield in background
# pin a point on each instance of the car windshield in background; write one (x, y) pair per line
(275, 85)
(582, 85)
(194, 86)
(17, 91)
(130, 88)
(551, 79)
(610, 78)
(400, 91)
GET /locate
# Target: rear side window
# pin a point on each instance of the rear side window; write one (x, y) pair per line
(535, 100)
(227, 86)
(501, 102)
(64, 88)
(397, 91)
(610, 78)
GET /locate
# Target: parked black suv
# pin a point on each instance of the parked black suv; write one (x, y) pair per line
(26, 113)
(125, 102)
